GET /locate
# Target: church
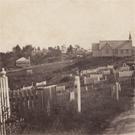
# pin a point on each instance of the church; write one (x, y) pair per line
(113, 48)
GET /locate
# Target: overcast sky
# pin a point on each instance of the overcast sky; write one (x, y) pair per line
(55, 22)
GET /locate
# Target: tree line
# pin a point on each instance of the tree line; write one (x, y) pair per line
(36, 54)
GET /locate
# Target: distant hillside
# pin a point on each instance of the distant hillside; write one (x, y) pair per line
(97, 61)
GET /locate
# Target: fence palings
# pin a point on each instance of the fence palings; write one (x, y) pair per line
(33, 102)
(46, 100)
(4, 102)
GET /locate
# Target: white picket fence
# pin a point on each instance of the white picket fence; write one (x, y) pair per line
(4, 101)
(60, 88)
(106, 72)
(125, 73)
(102, 69)
(124, 68)
(43, 83)
(110, 66)
(89, 71)
(98, 77)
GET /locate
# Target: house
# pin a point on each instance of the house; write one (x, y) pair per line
(113, 48)
(23, 62)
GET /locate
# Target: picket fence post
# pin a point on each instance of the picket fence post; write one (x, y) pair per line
(4, 101)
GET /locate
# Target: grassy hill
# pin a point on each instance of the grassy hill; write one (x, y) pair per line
(52, 71)
(20, 77)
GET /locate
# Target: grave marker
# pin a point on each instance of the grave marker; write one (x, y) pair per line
(78, 87)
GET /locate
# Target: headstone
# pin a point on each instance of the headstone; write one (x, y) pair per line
(78, 87)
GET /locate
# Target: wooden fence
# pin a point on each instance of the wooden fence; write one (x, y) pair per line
(36, 101)
(48, 100)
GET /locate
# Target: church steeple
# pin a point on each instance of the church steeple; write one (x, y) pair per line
(130, 37)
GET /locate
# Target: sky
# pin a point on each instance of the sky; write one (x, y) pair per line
(56, 22)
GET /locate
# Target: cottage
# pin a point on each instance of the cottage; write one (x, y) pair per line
(113, 48)
(23, 62)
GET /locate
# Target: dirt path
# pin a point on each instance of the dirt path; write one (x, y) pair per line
(124, 124)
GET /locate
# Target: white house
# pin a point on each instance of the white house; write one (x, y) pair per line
(23, 62)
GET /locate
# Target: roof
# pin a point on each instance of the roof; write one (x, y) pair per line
(22, 59)
(114, 43)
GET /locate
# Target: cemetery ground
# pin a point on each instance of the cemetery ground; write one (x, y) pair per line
(98, 107)
(51, 71)
(98, 110)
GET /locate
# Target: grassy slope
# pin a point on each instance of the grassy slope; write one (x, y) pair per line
(91, 62)
(52, 72)
(19, 78)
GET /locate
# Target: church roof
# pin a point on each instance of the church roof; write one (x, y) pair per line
(114, 44)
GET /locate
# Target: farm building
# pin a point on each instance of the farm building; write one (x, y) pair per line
(113, 48)
(23, 62)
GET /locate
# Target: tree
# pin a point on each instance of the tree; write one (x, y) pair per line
(54, 52)
(70, 49)
(27, 50)
(77, 48)
(38, 58)
(8, 59)
(17, 51)
(38, 49)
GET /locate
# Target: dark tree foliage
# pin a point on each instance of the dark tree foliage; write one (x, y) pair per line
(8, 60)
(27, 51)
(70, 49)
(37, 55)
(17, 51)
(38, 58)
(53, 52)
